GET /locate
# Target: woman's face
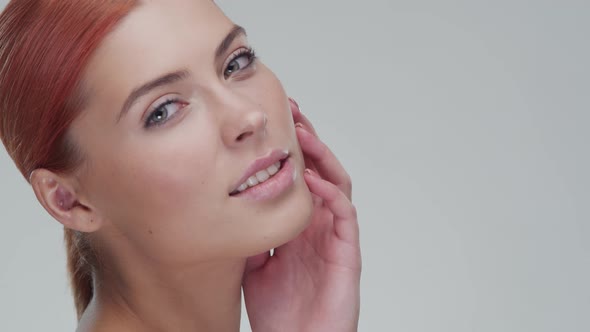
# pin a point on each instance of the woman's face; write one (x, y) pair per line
(163, 174)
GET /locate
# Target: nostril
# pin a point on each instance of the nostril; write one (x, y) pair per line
(243, 135)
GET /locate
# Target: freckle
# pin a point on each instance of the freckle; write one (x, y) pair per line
(150, 231)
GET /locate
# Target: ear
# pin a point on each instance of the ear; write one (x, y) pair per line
(58, 196)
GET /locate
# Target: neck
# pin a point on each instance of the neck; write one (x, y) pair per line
(202, 297)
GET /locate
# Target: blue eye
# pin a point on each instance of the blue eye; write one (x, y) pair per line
(162, 113)
(240, 60)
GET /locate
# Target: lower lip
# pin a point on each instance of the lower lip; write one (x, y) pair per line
(272, 187)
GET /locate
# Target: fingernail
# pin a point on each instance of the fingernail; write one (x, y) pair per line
(302, 127)
(294, 102)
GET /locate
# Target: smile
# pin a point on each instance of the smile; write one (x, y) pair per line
(258, 178)
(267, 177)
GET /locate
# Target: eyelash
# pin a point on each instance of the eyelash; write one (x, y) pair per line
(148, 124)
(248, 52)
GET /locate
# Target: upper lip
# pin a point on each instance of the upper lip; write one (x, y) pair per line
(261, 164)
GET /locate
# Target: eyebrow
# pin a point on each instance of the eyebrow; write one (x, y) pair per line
(179, 75)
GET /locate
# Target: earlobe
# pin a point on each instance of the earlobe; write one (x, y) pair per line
(57, 195)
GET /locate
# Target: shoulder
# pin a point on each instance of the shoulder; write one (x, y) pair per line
(94, 320)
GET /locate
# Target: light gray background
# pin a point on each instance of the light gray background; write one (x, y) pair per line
(465, 128)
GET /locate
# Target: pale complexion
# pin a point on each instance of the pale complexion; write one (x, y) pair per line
(156, 200)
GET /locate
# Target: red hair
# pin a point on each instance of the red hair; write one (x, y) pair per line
(44, 48)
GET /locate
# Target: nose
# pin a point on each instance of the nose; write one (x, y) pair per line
(244, 121)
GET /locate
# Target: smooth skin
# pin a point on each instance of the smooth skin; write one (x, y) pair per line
(154, 201)
(312, 282)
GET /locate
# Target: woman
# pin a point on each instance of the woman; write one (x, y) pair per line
(175, 162)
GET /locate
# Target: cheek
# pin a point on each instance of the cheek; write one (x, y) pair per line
(269, 92)
(157, 178)
(164, 186)
(172, 180)
(162, 199)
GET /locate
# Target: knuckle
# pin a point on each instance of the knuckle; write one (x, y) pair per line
(334, 190)
(347, 182)
(323, 149)
(352, 211)
(348, 179)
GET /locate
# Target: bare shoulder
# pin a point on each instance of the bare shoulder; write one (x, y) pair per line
(99, 321)
(101, 325)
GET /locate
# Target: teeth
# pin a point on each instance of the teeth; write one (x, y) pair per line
(273, 169)
(252, 181)
(260, 177)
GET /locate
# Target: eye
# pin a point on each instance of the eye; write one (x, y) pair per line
(162, 113)
(239, 60)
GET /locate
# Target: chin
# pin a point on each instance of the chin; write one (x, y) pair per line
(286, 222)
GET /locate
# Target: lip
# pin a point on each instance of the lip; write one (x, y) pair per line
(261, 164)
(275, 187)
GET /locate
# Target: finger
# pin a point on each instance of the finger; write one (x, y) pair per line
(326, 163)
(255, 262)
(345, 216)
(317, 200)
(298, 117)
(309, 163)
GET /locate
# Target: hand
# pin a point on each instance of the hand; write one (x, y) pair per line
(312, 282)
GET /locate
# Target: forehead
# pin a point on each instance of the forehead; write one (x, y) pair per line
(155, 37)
